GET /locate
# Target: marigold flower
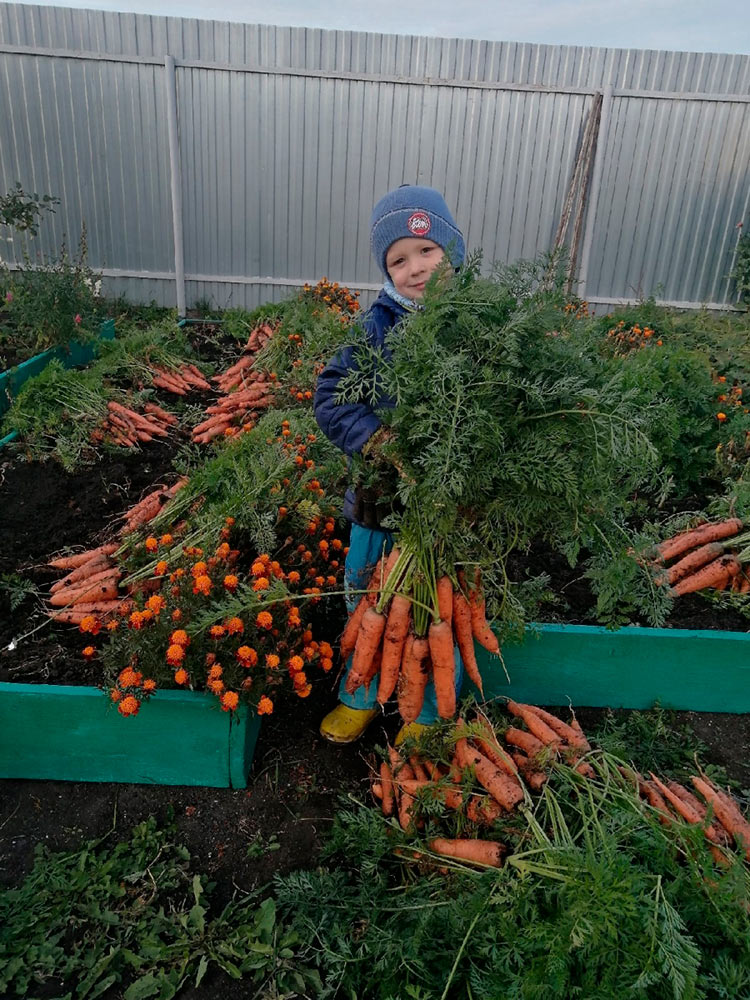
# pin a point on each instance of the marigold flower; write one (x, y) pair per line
(166, 539)
(146, 615)
(303, 692)
(326, 663)
(90, 623)
(294, 576)
(721, 417)
(112, 626)
(235, 626)
(129, 706)
(296, 663)
(210, 659)
(175, 655)
(323, 545)
(202, 585)
(265, 706)
(247, 656)
(331, 581)
(217, 631)
(261, 584)
(155, 603)
(223, 550)
(161, 568)
(179, 573)
(215, 672)
(115, 695)
(88, 652)
(216, 687)
(181, 676)
(299, 678)
(264, 619)
(199, 569)
(326, 649)
(231, 582)
(176, 615)
(149, 685)
(309, 653)
(151, 544)
(258, 568)
(229, 521)
(272, 660)
(129, 678)
(136, 619)
(180, 636)
(320, 581)
(229, 701)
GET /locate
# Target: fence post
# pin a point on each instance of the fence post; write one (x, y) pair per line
(596, 183)
(175, 173)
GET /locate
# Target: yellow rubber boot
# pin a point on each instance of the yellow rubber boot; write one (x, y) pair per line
(345, 725)
(411, 730)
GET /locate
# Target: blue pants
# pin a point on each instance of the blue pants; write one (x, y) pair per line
(366, 546)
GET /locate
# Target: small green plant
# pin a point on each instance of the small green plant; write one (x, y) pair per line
(22, 212)
(740, 273)
(15, 589)
(258, 848)
(135, 916)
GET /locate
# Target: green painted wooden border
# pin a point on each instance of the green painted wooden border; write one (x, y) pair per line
(66, 733)
(704, 671)
(71, 355)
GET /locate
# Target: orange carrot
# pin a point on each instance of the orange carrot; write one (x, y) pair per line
(73, 562)
(532, 773)
(99, 571)
(465, 638)
(386, 782)
(368, 639)
(440, 640)
(685, 808)
(412, 678)
(157, 411)
(489, 746)
(445, 598)
(94, 565)
(694, 560)
(483, 810)
(726, 811)
(670, 548)
(478, 852)
(656, 800)
(501, 786)
(537, 726)
(716, 575)
(524, 741)
(572, 735)
(420, 771)
(396, 630)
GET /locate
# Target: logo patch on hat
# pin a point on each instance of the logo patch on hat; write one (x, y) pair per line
(419, 224)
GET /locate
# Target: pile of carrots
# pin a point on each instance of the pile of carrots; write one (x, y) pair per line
(179, 381)
(244, 388)
(124, 426)
(147, 508)
(704, 558)
(385, 641)
(487, 781)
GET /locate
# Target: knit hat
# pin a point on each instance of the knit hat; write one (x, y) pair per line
(416, 211)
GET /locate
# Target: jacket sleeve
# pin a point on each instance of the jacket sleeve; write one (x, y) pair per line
(348, 425)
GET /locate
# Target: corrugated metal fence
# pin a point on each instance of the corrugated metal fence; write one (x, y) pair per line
(246, 159)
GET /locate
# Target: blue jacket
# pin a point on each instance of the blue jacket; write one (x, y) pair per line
(350, 425)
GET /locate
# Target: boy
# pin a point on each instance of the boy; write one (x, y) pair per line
(411, 230)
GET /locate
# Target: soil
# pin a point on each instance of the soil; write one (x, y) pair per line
(297, 779)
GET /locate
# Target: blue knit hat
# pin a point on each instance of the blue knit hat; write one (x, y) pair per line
(416, 211)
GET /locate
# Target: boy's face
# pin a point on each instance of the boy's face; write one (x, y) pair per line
(410, 262)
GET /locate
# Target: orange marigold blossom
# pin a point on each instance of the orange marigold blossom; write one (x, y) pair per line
(235, 626)
(181, 676)
(175, 654)
(88, 652)
(215, 672)
(216, 687)
(210, 659)
(294, 576)
(115, 695)
(149, 685)
(261, 583)
(179, 572)
(247, 656)
(721, 417)
(161, 568)
(151, 544)
(176, 615)
(146, 615)
(231, 582)
(229, 521)
(229, 701)
(223, 550)
(307, 635)
(303, 692)
(326, 649)
(299, 678)
(166, 539)
(129, 706)
(326, 663)
(111, 626)
(265, 706)
(264, 619)
(296, 663)
(129, 678)
(136, 619)
(272, 660)
(156, 603)
(202, 585)
(217, 631)
(90, 623)
(180, 636)
(199, 568)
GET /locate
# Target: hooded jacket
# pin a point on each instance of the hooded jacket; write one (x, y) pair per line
(350, 425)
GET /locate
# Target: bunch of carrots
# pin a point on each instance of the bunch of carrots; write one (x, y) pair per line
(124, 426)
(502, 775)
(486, 781)
(179, 381)
(91, 585)
(404, 629)
(705, 557)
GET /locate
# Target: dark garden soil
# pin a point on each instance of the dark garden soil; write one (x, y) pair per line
(239, 838)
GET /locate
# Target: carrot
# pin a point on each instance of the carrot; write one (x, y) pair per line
(412, 678)
(490, 747)
(94, 565)
(373, 668)
(445, 598)
(537, 726)
(525, 741)
(726, 811)
(406, 800)
(386, 781)
(656, 800)
(478, 852)
(532, 774)
(73, 562)
(465, 638)
(99, 573)
(396, 630)
(717, 575)
(161, 382)
(718, 833)
(483, 810)
(694, 560)
(670, 548)
(479, 626)
(420, 771)
(685, 808)
(368, 639)
(501, 786)
(572, 735)
(377, 790)
(440, 640)
(452, 797)
(351, 629)
(157, 411)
